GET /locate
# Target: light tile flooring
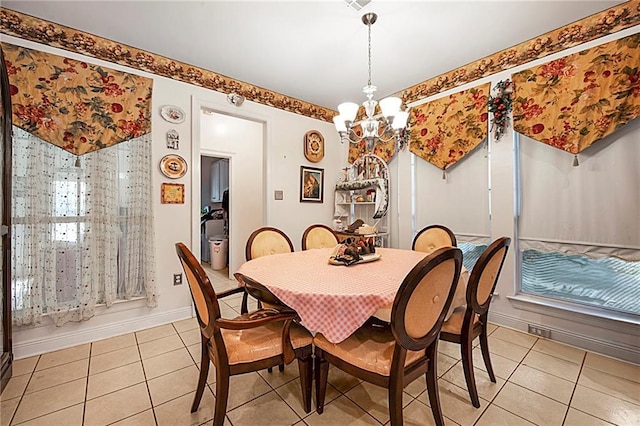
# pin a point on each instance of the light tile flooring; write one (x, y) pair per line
(149, 378)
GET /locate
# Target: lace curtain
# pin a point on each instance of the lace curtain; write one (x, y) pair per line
(83, 232)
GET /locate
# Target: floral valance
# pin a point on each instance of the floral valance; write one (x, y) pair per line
(446, 129)
(77, 106)
(572, 102)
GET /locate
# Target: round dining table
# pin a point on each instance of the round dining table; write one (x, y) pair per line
(336, 300)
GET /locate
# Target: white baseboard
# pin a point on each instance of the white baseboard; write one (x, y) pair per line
(588, 343)
(78, 337)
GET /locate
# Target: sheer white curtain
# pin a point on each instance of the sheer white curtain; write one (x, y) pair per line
(83, 231)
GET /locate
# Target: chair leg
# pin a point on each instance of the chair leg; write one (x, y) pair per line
(244, 308)
(432, 385)
(305, 368)
(204, 372)
(395, 402)
(222, 396)
(322, 372)
(467, 364)
(281, 367)
(484, 346)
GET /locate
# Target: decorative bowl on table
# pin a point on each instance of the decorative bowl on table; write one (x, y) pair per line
(354, 250)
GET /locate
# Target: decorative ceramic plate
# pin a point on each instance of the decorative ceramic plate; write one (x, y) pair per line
(172, 114)
(314, 146)
(173, 166)
(366, 258)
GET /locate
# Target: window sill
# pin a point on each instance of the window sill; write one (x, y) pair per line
(597, 317)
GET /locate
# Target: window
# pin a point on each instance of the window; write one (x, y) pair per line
(83, 232)
(579, 234)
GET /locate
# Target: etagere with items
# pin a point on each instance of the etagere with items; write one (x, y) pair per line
(362, 200)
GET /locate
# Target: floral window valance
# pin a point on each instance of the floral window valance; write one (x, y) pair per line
(572, 102)
(77, 106)
(446, 129)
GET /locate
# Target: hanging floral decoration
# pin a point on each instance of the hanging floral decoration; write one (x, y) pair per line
(500, 106)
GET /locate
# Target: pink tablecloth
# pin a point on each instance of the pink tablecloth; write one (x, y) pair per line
(334, 300)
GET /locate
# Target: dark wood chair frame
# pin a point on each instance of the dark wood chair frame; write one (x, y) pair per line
(311, 228)
(400, 375)
(470, 330)
(213, 347)
(426, 228)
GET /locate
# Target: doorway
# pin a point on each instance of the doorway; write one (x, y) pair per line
(214, 211)
(234, 144)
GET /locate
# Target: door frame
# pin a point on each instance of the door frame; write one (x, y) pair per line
(197, 106)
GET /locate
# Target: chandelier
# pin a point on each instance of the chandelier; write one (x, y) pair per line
(389, 125)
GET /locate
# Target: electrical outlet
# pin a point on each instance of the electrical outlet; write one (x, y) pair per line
(177, 279)
(539, 331)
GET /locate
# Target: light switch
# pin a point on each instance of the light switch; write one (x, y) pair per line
(278, 195)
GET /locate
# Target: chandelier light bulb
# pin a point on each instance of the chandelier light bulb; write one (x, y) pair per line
(390, 106)
(348, 111)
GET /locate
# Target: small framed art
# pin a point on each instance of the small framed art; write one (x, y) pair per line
(311, 184)
(172, 193)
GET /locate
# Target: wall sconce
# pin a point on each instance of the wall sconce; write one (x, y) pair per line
(235, 99)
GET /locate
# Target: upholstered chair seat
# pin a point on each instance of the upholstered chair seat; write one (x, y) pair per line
(260, 343)
(453, 324)
(369, 348)
(319, 236)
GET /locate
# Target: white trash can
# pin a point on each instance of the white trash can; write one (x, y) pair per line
(219, 246)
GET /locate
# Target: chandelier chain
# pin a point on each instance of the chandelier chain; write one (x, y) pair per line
(369, 52)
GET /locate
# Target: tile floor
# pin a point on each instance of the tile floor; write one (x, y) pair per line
(149, 378)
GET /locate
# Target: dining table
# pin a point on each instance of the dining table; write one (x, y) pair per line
(334, 299)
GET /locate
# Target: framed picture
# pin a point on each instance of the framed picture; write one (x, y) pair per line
(172, 193)
(311, 184)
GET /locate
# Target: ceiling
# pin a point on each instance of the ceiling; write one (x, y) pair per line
(316, 51)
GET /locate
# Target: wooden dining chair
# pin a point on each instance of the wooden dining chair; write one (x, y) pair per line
(319, 236)
(394, 355)
(433, 237)
(264, 241)
(470, 321)
(248, 343)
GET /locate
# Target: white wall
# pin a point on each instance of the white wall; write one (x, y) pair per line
(173, 222)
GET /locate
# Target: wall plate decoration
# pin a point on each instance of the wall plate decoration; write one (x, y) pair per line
(172, 114)
(173, 166)
(172, 193)
(173, 139)
(314, 146)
